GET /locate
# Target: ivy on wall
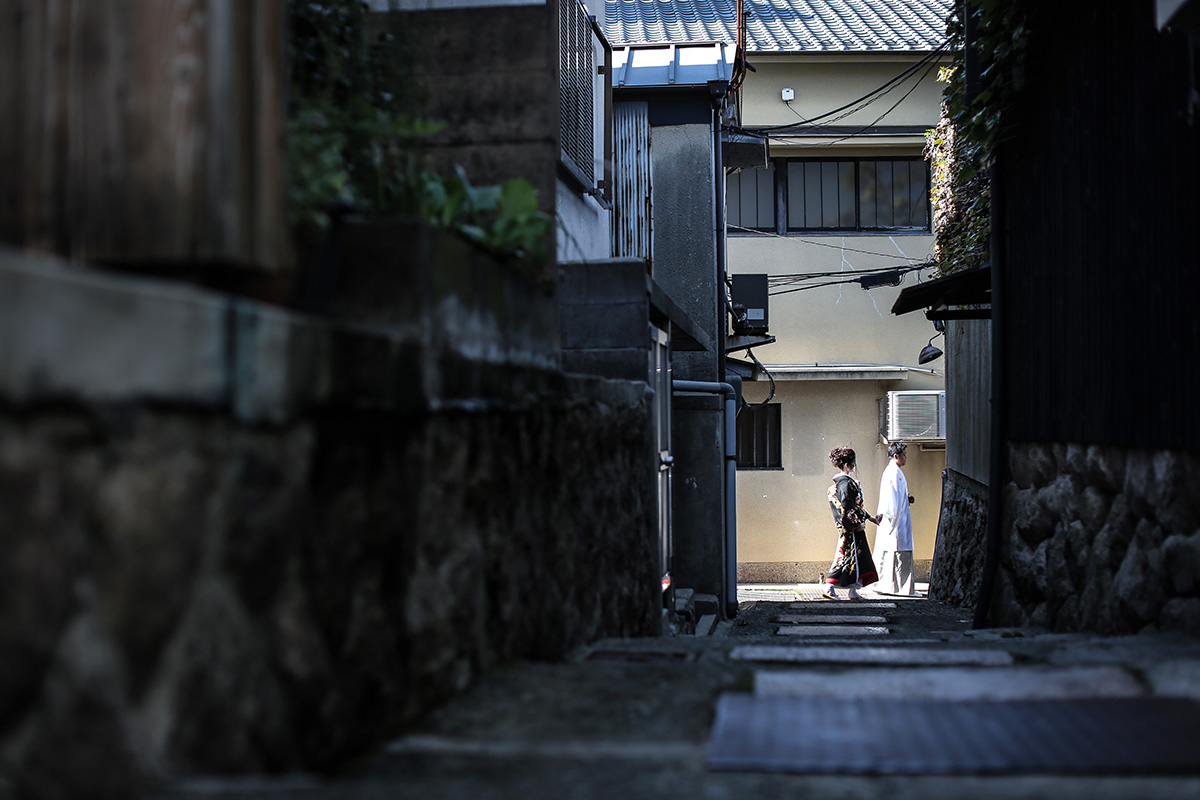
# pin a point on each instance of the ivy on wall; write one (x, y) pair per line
(355, 137)
(962, 147)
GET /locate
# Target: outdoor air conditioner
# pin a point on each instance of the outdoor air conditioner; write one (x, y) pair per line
(914, 416)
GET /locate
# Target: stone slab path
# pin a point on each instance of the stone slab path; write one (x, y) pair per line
(642, 719)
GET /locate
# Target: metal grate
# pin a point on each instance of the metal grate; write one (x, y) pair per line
(1142, 736)
(577, 70)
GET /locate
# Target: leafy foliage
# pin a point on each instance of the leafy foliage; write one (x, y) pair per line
(356, 145)
(963, 146)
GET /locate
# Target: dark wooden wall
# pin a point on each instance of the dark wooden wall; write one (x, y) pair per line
(1099, 184)
(145, 132)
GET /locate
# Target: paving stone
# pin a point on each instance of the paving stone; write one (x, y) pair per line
(953, 683)
(843, 605)
(850, 619)
(871, 655)
(1176, 679)
(1111, 736)
(831, 630)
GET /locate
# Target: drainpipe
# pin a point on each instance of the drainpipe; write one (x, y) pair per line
(718, 93)
(730, 442)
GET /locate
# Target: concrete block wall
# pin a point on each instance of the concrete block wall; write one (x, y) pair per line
(604, 309)
(239, 538)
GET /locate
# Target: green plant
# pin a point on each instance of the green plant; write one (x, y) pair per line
(355, 141)
(962, 147)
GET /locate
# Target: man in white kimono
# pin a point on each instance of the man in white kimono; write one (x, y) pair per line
(894, 539)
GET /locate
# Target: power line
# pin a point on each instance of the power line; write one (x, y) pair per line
(802, 240)
(881, 90)
(884, 114)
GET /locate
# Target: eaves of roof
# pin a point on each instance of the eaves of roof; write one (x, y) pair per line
(785, 26)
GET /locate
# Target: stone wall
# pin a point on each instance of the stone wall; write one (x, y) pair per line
(961, 541)
(242, 539)
(1100, 538)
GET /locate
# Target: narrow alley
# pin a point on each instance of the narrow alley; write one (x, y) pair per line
(885, 697)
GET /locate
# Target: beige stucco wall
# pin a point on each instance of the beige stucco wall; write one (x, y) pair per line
(838, 324)
(783, 515)
(825, 82)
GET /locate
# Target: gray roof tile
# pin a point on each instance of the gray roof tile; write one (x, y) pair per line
(784, 26)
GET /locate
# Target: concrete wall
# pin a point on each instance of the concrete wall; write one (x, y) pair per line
(584, 227)
(685, 266)
(685, 258)
(242, 539)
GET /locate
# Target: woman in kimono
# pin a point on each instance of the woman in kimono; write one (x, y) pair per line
(852, 567)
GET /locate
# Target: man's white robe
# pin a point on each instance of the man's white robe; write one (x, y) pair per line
(893, 538)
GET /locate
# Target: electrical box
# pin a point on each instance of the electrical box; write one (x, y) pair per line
(789, 95)
(749, 300)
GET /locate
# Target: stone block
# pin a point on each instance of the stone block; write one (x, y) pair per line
(608, 326)
(1031, 464)
(71, 333)
(1106, 467)
(1093, 508)
(1181, 562)
(1181, 614)
(618, 281)
(281, 364)
(628, 364)
(1030, 517)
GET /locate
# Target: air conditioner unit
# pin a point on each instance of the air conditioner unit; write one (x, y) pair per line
(914, 416)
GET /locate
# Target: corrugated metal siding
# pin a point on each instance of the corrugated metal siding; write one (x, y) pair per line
(1101, 276)
(632, 234)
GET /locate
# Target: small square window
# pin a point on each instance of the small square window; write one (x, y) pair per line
(758, 438)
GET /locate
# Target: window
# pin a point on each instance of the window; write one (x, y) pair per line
(832, 195)
(750, 197)
(758, 438)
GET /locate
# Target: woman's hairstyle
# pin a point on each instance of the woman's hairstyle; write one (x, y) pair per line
(841, 456)
(896, 447)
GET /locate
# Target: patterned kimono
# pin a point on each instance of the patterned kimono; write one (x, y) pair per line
(852, 566)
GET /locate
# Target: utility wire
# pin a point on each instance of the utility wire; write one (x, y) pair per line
(814, 243)
(884, 114)
(886, 87)
(870, 99)
(770, 377)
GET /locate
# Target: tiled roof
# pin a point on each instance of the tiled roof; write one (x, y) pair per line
(784, 26)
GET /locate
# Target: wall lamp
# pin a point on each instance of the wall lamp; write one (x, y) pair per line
(929, 352)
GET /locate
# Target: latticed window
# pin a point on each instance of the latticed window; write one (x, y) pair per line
(577, 70)
(827, 194)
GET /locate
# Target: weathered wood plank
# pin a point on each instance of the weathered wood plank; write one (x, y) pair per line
(145, 133)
